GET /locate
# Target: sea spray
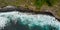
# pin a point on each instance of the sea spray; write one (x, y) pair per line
(27, 21)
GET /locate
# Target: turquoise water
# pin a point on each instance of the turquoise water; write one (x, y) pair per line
(34, 22)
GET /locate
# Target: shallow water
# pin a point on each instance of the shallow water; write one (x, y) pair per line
(27, 21)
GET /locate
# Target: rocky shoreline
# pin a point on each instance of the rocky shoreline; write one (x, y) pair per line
(27, 10)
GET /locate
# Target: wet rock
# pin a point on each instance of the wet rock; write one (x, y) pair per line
(8, 8)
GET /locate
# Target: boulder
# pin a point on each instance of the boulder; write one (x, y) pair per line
(8, 8)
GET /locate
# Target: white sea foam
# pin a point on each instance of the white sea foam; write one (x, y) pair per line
(31, 20)
(3, 22)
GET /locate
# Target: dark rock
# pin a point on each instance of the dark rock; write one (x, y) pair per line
(22, 9)
(8, 9)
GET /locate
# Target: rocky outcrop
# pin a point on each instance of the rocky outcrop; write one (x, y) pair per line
(8, 9)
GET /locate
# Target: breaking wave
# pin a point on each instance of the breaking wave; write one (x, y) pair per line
(27, 21)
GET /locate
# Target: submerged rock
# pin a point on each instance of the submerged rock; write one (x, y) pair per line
(28, 21)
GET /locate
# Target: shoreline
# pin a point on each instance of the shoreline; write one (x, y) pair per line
(27, 10)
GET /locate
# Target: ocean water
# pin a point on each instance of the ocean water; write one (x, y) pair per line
(27, 21)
